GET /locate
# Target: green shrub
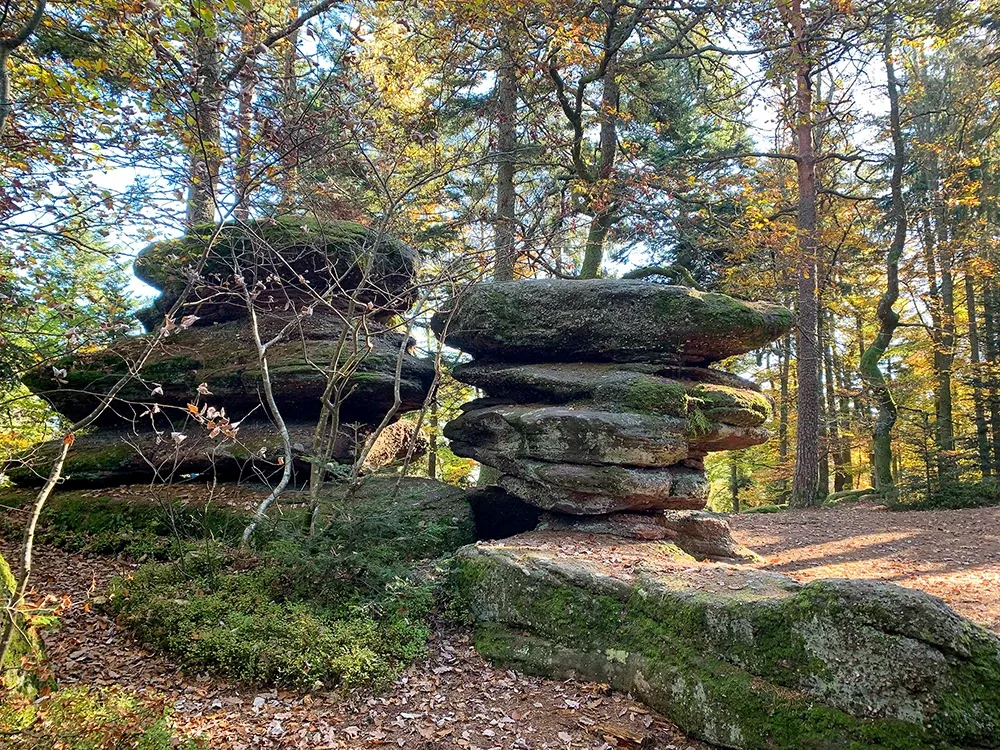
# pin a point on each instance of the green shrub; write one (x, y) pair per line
(80, 718)
(957, 495)
(82, 521)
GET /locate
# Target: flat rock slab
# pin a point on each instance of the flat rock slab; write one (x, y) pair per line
(225, 358)
(668, 391)
(611, 320)
(700, 534)
(739, 657)
(112, 457)
(585, 435)
(597, 490)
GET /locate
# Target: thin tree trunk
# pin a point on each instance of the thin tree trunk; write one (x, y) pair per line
(504, 236)
(734, 482)
(840, 477)
(805, 485)
(975, 361)
(205, 153)
(433, 424)
(882, 478)
(847, 430)
(993, 397)
(784, 368)
(244, 124)
(824, 415)
(605, 216)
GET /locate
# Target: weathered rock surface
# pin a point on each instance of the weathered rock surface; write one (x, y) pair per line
(598, 490)
(739, 657)
(225, 358)
(580, 435)
(704, 536)
(609, 320)
(670, 391)
(287, 260)
(113, 456)
(209, 357)
(598, 400)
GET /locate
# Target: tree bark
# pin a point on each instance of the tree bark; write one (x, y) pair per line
(784, 368)
(882, 478)
(205, 148)
(993, 397)
(975, 361)
(805, 485)
(505, 249)
(604, 213)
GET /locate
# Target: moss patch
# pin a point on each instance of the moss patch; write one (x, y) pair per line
(80, 718)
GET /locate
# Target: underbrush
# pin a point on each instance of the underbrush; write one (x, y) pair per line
(348, 607)
(86, 521)
(956, 496)
(87, 719)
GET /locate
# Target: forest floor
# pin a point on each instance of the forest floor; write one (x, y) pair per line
(953, 554)
(455, 699)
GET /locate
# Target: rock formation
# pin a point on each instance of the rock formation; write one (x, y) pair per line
(306, 279)
(740, 657)
(600, 403)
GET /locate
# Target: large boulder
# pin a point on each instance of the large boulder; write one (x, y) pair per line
(225, 358)
(739, 657)
(611, 320)
(284, 260)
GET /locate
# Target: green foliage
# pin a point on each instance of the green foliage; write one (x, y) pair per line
(80, 718)
(348, 607)
(87, 521)
(957, 495)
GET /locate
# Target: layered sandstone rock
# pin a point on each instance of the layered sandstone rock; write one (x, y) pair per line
(308, 281)
(599, 398)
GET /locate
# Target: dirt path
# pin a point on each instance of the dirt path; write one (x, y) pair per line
(953, 554)
(453, 699)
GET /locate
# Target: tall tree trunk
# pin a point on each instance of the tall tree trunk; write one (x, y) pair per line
(290, 111)
(506, 100)
(605, 215)
(993, 398)
(975, 360)
(205, 149)
(888, 319)
(784, 369)
(805, 486)
(244, 123)
(944, 358)
(824, 415)
(840, 477)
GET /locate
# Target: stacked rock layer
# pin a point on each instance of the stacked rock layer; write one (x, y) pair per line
(600, 404)
(287, 265)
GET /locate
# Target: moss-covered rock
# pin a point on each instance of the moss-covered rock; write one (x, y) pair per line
(739, 657)
(636, 387)
(224, 356)
(585, 435)
(278, 257)
(551, 320)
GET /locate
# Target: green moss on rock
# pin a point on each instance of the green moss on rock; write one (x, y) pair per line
(756, 661)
